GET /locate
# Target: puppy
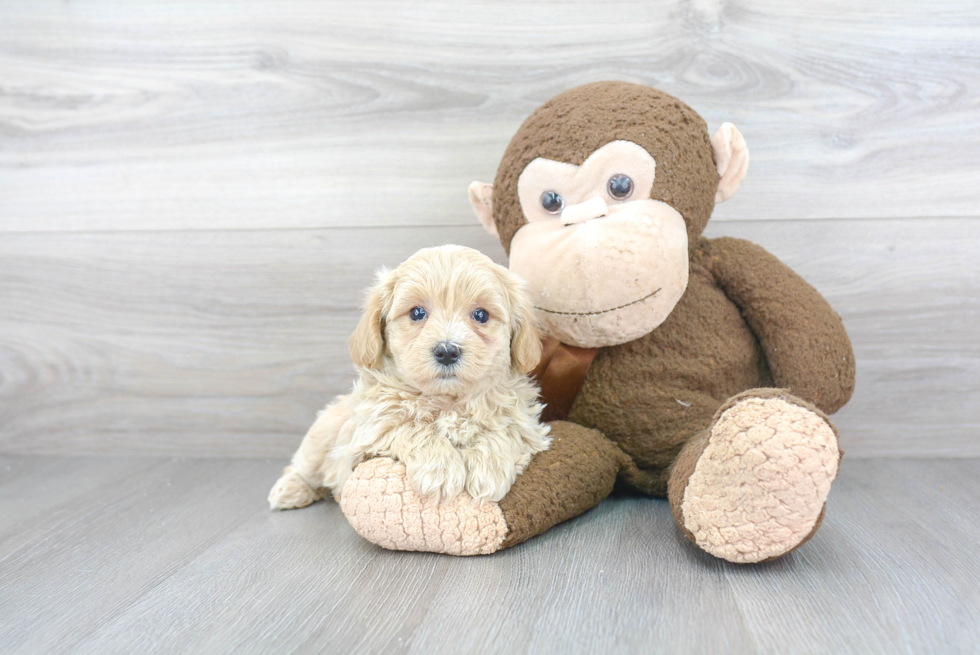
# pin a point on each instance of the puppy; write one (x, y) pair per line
(442, 352)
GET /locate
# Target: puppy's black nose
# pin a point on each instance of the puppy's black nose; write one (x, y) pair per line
(446, 353)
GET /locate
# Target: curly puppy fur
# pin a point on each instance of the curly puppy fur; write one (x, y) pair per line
(470, 424)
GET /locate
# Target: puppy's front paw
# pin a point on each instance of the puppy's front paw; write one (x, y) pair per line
(488, 476)
(292, 492)
(436, 470)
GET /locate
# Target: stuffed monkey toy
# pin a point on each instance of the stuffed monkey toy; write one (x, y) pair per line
(700, 370)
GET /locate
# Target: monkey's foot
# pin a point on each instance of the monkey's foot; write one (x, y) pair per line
(382, 507)
(754, 486)
(572, 476)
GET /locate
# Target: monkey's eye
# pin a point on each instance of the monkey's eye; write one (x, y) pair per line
(480, 316)
(552, 202)
(620, 186)
(417, 313)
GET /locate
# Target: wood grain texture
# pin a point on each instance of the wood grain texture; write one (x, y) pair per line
(200, 565)
(75, 477)
(194, 195)
(228, 342)
(94, 550)
(896, 557)
(188, 115)
(909, 294)
(184, 342)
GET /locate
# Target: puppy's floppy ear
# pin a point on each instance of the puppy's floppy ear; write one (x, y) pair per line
(367, 343)
(525, 343)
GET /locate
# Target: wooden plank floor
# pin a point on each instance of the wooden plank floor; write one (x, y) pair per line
(124, 555)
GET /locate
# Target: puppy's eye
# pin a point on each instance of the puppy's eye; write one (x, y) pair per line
(481, 316)
(552, 202)
(417, 313)
(620, 186)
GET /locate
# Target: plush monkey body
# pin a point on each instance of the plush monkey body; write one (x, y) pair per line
(652, 395)
(715, 365)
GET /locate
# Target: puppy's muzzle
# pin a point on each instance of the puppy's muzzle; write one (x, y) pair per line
(446, 353)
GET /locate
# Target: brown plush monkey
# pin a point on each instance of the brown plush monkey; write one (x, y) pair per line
(700, 370)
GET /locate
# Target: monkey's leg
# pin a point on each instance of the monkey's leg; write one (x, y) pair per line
(574, 475)
(754, 485)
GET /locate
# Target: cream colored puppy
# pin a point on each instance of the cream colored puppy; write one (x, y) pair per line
(443, 351)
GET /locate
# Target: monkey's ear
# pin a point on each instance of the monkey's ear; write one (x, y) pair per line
(481, 197)
(367, 342)
(731, 158)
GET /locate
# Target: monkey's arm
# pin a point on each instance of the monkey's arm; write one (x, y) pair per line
(803, 338)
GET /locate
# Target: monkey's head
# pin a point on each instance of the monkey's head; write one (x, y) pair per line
(596, 200)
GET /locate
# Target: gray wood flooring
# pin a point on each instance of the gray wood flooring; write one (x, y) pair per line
(166, 555)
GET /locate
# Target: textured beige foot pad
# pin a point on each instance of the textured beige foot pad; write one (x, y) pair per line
(760, 485)
(383, 508)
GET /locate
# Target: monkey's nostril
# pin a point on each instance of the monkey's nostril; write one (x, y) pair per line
(446, 353)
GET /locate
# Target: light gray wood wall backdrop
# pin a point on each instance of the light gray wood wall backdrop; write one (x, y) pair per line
(194, 194)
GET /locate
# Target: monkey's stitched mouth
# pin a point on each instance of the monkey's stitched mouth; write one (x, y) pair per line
(602, 311)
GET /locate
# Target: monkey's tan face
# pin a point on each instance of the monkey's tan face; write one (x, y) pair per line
(605, 264)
